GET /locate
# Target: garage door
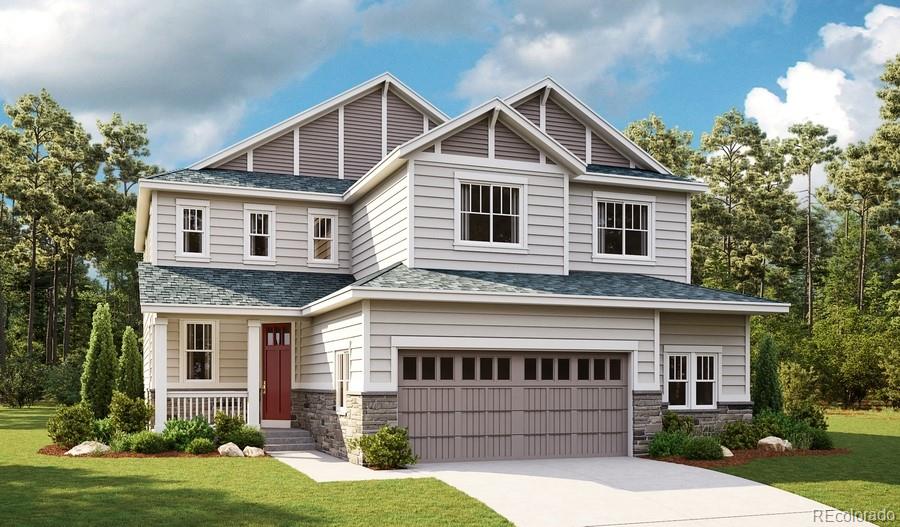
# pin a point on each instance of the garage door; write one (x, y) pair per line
(496, 405)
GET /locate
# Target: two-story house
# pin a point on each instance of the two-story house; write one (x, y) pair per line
(513, 282)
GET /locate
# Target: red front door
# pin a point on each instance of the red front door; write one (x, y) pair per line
(276, 371)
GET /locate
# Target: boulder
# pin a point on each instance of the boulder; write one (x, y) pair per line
(88, 448)
(775, 444)
(252, 451)
(230, 450)
(726, 452)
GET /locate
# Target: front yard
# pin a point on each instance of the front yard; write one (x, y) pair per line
(866, 479)
(45, 490)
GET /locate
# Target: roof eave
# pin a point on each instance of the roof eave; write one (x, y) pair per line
(241, 191)
(142, 219)
(695, 187)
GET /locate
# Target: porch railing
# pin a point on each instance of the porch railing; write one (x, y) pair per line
(186, 405)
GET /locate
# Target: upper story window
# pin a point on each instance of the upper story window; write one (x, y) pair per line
(323, 237)
(199, 343)
(192, 238)
(490, 212)
(623, 226)
(259, 233)
(691, 379)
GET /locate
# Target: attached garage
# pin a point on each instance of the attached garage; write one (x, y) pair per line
(467, 405)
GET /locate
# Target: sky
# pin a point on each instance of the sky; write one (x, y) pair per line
(207, 73)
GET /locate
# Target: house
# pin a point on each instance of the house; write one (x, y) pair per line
(513, 282)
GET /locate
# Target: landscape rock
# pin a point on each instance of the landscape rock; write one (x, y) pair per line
(775, 444)
(252, 451)
(230, 450)
(726, 452)
(88, 448)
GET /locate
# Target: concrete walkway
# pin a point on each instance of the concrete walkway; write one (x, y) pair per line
(597, 491)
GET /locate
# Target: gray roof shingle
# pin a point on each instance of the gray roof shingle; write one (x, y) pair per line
(636, 172)
(261, 180)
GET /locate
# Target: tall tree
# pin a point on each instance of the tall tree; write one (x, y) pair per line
(810, 145)
(670, 146)
(126, 147)
(130, 378)
(98, 379)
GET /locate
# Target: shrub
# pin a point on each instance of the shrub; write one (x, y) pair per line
(225, 424)
(798, 385)
(102, 430)
(99, 376)
(129, 415)
(769, 423)
(130, 377)
(765, 388)
(22, 377)
(667, 443)
(810, 413)
(243, 437)
(387, 448)
(673, 422)
(63, 383)
(71, 425)
(147, 442)
(181, 433)
(739, 435)
(200, 445)
(702, 447)
(800, 435)
(820, 440)
(120, 442)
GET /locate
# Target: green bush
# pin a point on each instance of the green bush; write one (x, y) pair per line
(673, 422)
(820, 440)
(702, 447)
(769, 423)
(798, 385)
(129, 415)
(71, 425)
(130, 375)
(99, 376)
(200, 445)
(765, 386)
(147, 442)
(120, 442)
(63, 383)
(739, 435)
(180, 433)
(103, 430)
(225, 425)
(22, 377)
(800, 435)
(810, 413)
(666, 443)
(243, 437)
(387, 448)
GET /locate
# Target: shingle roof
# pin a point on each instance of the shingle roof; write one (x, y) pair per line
(635, 172)
(579, 283)
(234, 287)
(262, 180)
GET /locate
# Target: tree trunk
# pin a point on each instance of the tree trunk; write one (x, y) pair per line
(70, 285)
(32, 284)
(809, 284)
(50, 335)
(863, 242)
(2, 327)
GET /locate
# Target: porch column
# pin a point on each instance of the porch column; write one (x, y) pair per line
(160, 373)
(254, 351)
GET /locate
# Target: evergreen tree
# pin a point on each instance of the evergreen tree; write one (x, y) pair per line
(766, 386)
(670, 146)
(99, 376)
(130, 379)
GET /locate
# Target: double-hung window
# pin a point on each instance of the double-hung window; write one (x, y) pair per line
(691, 379)
(259, 233)
(192, 236)
(341, 379)
(323, 237)
(199, 343)
(491, 213)
(623, 226)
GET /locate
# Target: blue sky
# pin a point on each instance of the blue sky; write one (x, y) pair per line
(208, 75)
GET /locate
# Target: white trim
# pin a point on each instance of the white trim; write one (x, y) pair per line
(692, 352)
(678, 348)
(323, 386)
(625, 198)
(437, 148)
(275, 423)
(566, 226)
(270, 210)
(747, 359)
(180, 205)
(366, 316)
(492, 134)
(424, 123)
(154, 216)
(243, 192)
(687, 202)
(657, 351)
(311, 215)
(341, 142)
(142, 216)
(486, 178)
(160, 372)
(587, 145)
(338, 357)
(206, 309)
(183, 351)
(384, 118)
(465, 163)
(254, 372)
(641, 182)
(296, 151)
(411, 214)
(250, 160)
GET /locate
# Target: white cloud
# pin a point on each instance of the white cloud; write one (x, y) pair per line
(188, 69)
(432, 20)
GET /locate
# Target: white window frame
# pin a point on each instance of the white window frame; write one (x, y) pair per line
(341, 380)
(180, 206)
(686, 380)
(625, 198)
(252, 208)
(183, 354)
(312, 214)
(483, 178)
(692, 352)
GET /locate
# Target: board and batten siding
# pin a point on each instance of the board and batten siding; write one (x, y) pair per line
(508, 322)
(707, 329)
(380, 226)
(434, 237)
(671, 226)
(321, 337)
(226, 237)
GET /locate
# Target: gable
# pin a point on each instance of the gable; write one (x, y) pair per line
(362, 135)
(276, 156)
(403, 121)
(236, 163)
(560, 125)
(603, 154)
(471, 141)
(531, 109)
(318, 147)
(510, 145)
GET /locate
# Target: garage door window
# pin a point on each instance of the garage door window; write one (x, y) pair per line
(468, 368)
(615, 369)
(487, 369)
(428, 369)
(563, 369)
(446, 368)
(530, 369)
(409, 368)
(599, 369)
(503, 369)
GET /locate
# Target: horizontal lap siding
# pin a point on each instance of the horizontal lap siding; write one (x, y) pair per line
(380, 233)
(226, 242)
(362, 135)
(531, 109)
(567, 130)
(604, 154)
(508, 145)
(471, 141)
(319, 147)
(427, 319)
(276, 156)
(337, 330)
(237, 163)
(728, 331)
(671, 234)
(403, 121)
(434, 224)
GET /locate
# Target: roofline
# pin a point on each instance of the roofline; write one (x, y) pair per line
(211, 309)
(694, 187)
(587, 111)
(318, 110)
(141, 218)
(229, 190)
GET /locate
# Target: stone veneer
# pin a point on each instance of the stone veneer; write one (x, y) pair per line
(712, 421)
(366, 413)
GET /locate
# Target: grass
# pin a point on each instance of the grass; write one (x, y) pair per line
(866, 479)
(45, 490)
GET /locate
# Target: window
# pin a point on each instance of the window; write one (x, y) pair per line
(503, 368)
(691, 380)
(446, 368)
(409, 368)
(705, 380)
(342, 379)
(530, 369)
(584, 369)
(599, 369)
(623, 226)
(259, 233)
(490, 212)
(468, 368)
(192, 238)
(615, 369)
(486, 368)
(199, 344)
(546, 369)
(429, 369)
(562, 369)
(323, 237)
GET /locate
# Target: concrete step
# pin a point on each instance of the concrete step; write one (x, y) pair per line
(272, 433)
(290, 447)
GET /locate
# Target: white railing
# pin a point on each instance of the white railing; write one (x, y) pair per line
(186, 405)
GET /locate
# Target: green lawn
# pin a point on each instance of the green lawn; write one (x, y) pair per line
(44, 490)
(868, 478)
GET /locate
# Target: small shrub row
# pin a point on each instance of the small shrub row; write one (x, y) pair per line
(71, 425)
(679, 443)
(805, 431)
(388, 448)
(143, 442)
(181, 433)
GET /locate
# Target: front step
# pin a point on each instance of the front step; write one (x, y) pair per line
(288, 439)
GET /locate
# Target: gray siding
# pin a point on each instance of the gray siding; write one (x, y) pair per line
(567, 130)
(471, 141)
(226, 240)
(671, 233)
(531, 109)
(403, 121)
(362, 135)
(380, 226)
(508, 145)
(319, 147)
(434, 223)
(236, 163)
(336, 330)
(275, 156)
(604, 154)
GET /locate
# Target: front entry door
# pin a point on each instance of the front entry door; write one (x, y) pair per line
(276, 371)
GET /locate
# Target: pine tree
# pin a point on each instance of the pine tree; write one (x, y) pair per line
(130, 379)
(99, 377)
(766, 387)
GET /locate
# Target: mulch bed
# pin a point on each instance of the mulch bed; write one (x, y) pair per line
(56, 450)
(745, 456)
